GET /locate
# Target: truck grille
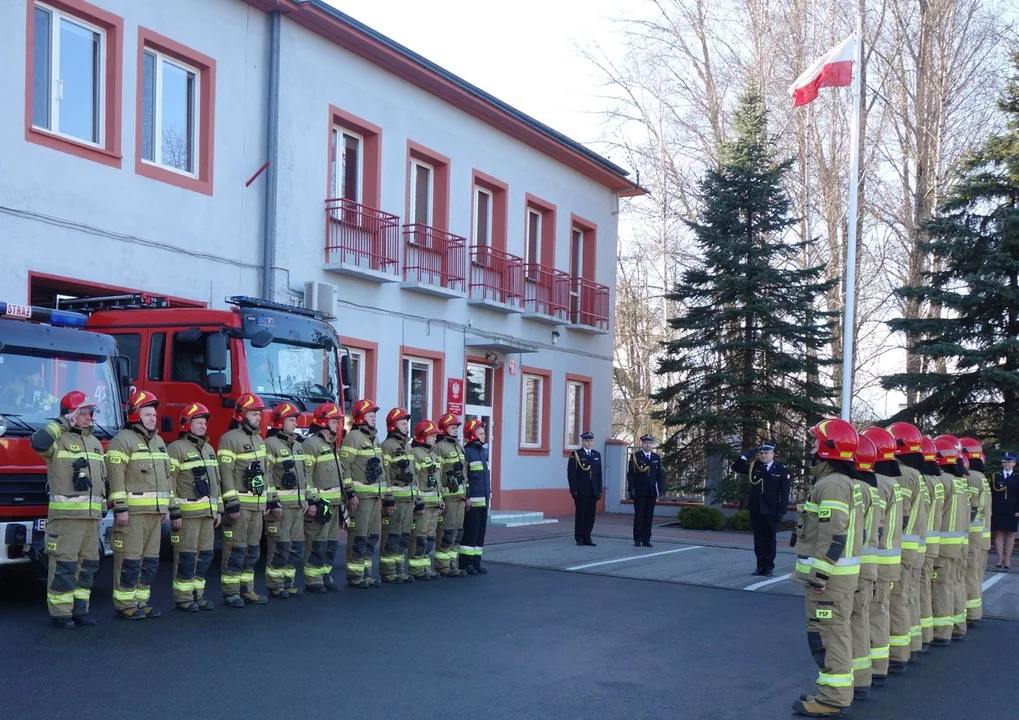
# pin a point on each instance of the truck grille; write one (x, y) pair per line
(22, 489)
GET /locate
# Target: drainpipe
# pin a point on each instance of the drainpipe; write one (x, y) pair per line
(272, 156)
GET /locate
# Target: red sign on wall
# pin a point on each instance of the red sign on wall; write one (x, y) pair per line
(455, 396)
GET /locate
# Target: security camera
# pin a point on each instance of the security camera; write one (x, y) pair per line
(555, 336)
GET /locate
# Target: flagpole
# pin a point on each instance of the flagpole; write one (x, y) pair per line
(848, 330)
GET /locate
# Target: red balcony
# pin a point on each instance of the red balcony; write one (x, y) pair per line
(362, 241)
(496, 279)
(434, 261)
(546, 293)
(589, 305)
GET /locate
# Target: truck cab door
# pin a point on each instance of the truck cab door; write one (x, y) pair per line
(194, 376)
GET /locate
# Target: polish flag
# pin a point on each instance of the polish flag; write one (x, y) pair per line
(833, 69)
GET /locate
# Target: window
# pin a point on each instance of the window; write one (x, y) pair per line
(416, 393)
(357, 371)
(188, 363)
(157, 356)
(68, 76)
(421, 193)
(539, 236)
(531, 418)
(170, 112)
(574, 413)
(576, 252)
(533, 237)
(482, 216)
(130, 346)
(347, 165)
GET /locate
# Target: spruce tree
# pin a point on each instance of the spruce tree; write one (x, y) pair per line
(970, 342)
(748, 333)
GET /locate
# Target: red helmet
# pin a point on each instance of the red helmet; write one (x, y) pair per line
(423, 429)
(471, 430)
(139, 400)
(326, 412)
(76, 400)
(930, 453)
(395, 415)
(836, 439)
(247, 403)
(947, 447)
(192, 411)
(281, 412)
(362, 408)
(971, 448)
(907, 438)
(883, 440)
(866, 454)
(446, 421)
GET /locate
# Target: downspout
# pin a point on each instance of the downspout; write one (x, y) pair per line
(272, 156)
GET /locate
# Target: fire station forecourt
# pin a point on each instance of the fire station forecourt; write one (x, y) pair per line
(519, 643)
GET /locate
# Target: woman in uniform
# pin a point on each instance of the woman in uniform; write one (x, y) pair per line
(1005, 511)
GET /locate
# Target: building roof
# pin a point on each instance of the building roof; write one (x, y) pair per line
(353, 35)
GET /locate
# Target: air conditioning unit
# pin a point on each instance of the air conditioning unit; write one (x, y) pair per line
(320, 296)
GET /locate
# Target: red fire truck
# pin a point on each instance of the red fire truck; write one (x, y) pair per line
(182, 355)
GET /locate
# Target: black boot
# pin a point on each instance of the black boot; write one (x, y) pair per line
(85, 621)
(63, 623)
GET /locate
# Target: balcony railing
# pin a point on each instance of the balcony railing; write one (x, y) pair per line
(496, 276)
(434, 257)
(589, 304)
(546, 291)
(361, 236)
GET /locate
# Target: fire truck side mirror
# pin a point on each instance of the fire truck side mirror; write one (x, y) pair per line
(348, 391)
(217, 345)
(123, 368)
(216, 381)
(261, 339)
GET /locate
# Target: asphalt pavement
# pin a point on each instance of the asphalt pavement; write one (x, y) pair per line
(517, 643)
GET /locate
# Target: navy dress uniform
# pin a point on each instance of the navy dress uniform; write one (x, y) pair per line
(584, 472)
(645, 483)
(767, 501)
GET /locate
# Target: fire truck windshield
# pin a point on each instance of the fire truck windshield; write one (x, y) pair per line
(293, 372)
(32, 383)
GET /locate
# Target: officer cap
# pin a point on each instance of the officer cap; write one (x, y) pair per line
(648, 438)
(1010, 457)
(765, 447)
(587, 436)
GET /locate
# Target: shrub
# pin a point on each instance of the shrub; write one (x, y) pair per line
(701, 518)
(740, 521)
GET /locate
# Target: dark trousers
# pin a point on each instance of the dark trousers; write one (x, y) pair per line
(643, 516)
(473, 543)
(764, 527)
(584, 519)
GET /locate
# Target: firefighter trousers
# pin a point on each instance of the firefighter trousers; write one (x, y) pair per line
(422, 535)
(73, 549)
(363, 533)
(915, 614)
(284, 539)
(193, 547)
(859, 623)
(241, 547)
(943, 596)
(974, 581)
(959, 585)
(473, 545)
(448, 534)
(135, 560)
(901, 597)
(395, 541)
(880, 618)
(321, 545)
(926, 601)
(830, 639)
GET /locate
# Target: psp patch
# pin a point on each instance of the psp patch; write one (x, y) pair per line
(823, 614)
(824, 514)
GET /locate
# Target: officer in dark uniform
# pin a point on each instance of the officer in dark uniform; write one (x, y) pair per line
(767, 501)
(584, 474)
(644, 485)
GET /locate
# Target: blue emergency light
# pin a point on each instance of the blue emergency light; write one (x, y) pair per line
(62, 318)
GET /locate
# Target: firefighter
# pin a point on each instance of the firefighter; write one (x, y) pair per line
(452, 475)
(325, 495)
(285, 537)
(247, 495)
(904, 606)
(196, 509)
(479, 495)
(139, 470)
(868, 519)
(830, 544)
(398, 461)
(889, 552)
(428, 500)
(366, 493)
(979, 529)
(936, 484)
(964, 519)
(76, 483)
(954, 531)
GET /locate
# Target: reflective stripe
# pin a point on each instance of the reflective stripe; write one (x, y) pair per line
(914, 631)
(123, 595)
(316, 571)
(944, 621)
(91, 506)
(879, 653)
(275, 572)
(82, 593)
(477, 466)
(898, 640)
(248, 576)
(926, 622)
(810, 507)
(834, 505)
(861, 663)
(355, 567)
(833, 680)
(971, 604)
(478, 502)
(191, 464)
(183, 585)
(71, 455)
(60, 598)
(142, 594)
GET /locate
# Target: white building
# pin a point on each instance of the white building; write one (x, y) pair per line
(451, 235)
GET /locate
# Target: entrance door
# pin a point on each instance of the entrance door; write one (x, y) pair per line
(480, 404)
